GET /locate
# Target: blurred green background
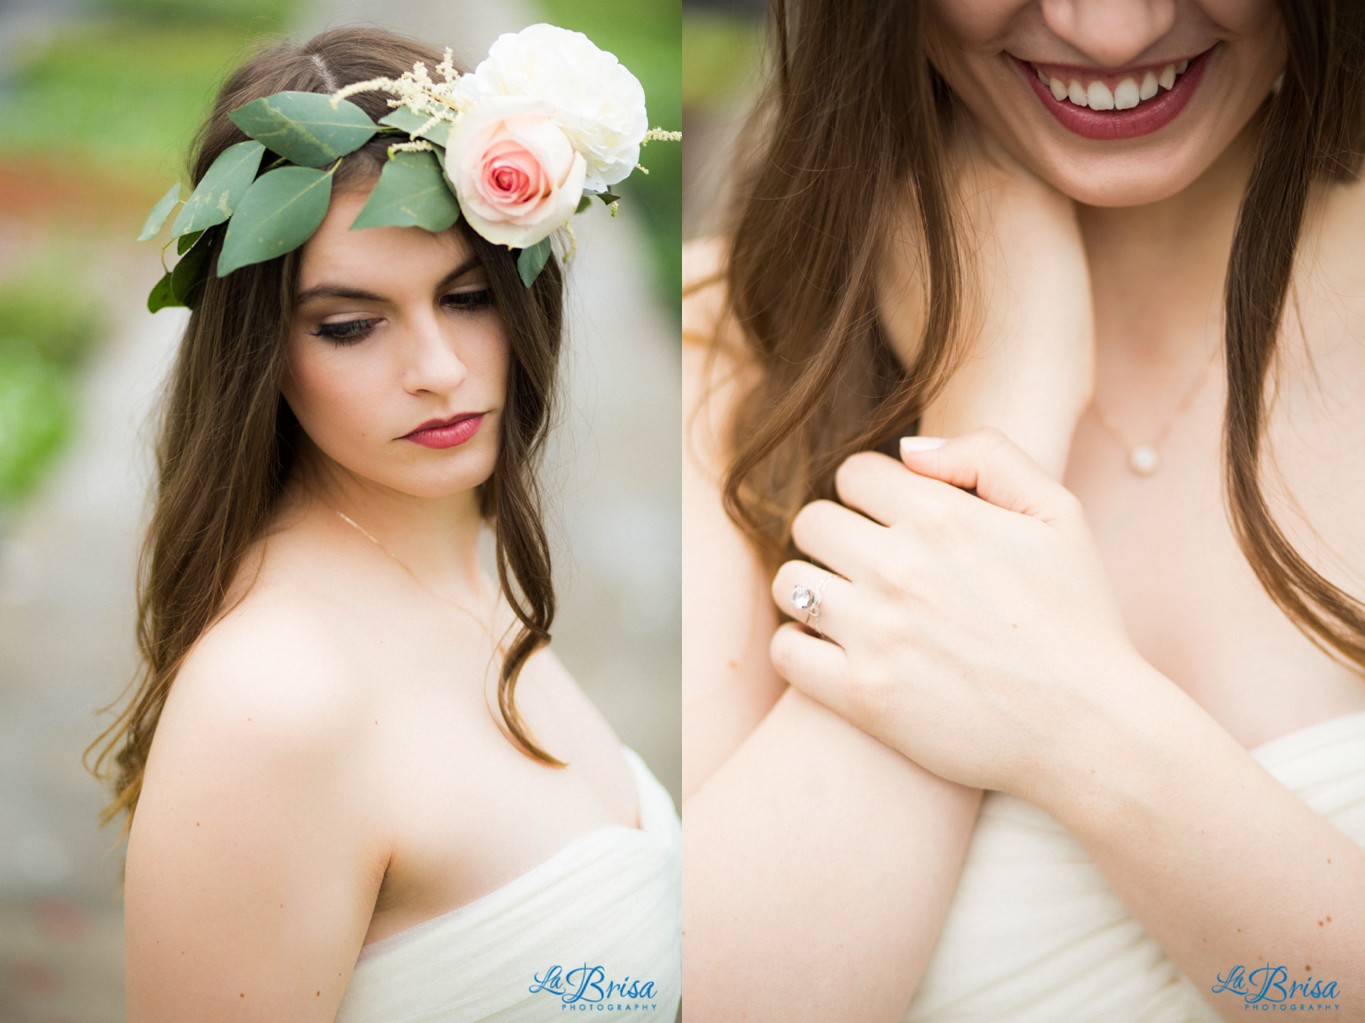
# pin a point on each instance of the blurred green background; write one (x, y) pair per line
(98, 100)
(94, 120)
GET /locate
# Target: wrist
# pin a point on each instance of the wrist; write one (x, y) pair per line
(1120, 754)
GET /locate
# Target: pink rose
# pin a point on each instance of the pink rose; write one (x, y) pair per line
(515, 173)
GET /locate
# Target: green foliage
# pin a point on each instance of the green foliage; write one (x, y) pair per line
(279, 212)
(306, 128)
(720, 53)
(220, 190)
(414, 124)
(159, 213)
(412, 192)
(130, 96)
(646, 37)
(259, 15)
(44, 335)
(530, 261)
(36, 406)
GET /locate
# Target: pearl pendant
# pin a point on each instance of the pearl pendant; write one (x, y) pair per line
(1143, 460)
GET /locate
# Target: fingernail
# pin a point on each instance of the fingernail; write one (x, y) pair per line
(912, 444)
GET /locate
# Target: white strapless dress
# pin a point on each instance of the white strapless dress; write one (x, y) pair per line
(595, 929)
(1036, 935)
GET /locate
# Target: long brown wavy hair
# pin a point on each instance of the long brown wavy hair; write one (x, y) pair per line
(852, 84)
(228, 439)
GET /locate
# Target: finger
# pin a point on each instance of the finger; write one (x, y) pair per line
(882, 489)
(816, 668)
(831, 596)
(995, 468)
(839, 538)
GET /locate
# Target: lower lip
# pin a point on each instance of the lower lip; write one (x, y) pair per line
(1111, 125)
(449, 436)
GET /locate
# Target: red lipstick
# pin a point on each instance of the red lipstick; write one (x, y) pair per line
(1109, 125)
(446, 433)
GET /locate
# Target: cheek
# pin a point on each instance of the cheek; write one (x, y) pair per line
(1243, 18)
(490, 358)
(328, 402)
(969, 22)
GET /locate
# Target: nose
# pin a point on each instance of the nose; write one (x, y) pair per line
(431, 362)
(1111, 33)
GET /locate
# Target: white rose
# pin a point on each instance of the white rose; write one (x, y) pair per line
(599, 104)
(514, 171)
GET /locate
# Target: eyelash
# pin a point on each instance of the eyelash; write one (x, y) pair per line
(351, 332)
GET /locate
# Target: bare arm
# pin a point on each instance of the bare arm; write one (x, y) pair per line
(253, 864)
(1222, 864)
(818, 863)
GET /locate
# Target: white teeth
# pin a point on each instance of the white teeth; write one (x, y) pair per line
(1100, 96)
(1126, 94)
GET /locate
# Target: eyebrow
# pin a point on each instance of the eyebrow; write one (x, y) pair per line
(359, 294)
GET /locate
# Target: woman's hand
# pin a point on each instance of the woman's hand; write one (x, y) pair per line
(1029, 363)
(968, 623)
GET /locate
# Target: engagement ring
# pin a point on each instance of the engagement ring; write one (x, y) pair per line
(806, 599)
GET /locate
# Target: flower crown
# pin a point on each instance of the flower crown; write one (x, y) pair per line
(517, 147)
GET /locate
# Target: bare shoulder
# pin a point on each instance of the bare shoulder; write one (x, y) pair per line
(259, 844)
(275, 663)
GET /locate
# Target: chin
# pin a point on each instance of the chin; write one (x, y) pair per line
(1118, 186)
(1138, 177)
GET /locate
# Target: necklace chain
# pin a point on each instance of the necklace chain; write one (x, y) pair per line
(1144, 459)
(486, 627)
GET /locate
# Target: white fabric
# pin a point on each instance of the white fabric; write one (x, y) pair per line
(610, 898)
(1036, 935)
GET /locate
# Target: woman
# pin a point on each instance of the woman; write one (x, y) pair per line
(363, 788)
(1035, 229)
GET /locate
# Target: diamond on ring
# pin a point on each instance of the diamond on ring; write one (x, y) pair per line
(807, 599)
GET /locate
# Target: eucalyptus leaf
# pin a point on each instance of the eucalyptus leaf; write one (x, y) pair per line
(532, 260)
(304, 128)
(159, 213)
(408, 120)
(608, 197)
(412, 192)
(162, 295)
(220, 189)
(185, 242)
(279, 212)
(189, 274)
(584, 203)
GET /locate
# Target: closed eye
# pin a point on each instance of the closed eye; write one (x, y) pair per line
(468, 301)
(347, 332)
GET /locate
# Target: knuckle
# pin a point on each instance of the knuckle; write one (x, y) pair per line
(852, 468)
(991, 435)
(870, 692)
(808, 521)
(931, 515)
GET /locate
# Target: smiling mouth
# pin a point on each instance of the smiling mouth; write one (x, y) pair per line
(1109, 92)
(1111, 106)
